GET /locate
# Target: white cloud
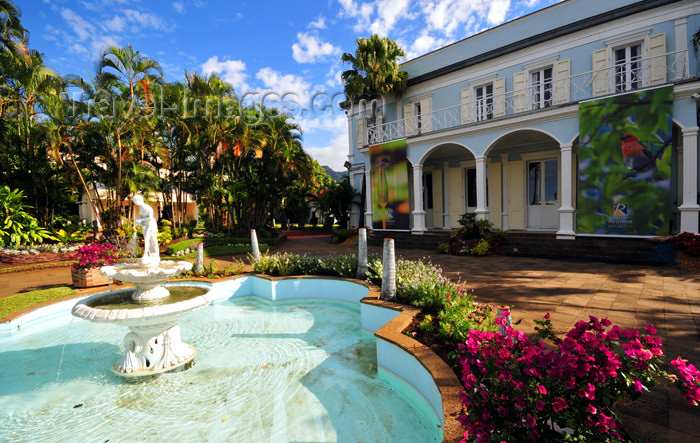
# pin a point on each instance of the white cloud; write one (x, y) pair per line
(310, 49)
(141, 20)
(179, 7)
(82, 29)
(77, 49)
(332, 154)
(285, 85)
(319, 23)
(450, 16)
(232, 71)
(498, 11)
(117, 24)
(424, 44)
(389, 11)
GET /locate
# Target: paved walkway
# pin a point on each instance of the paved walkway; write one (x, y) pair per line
(630, 296)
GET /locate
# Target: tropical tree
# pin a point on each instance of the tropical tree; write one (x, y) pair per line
(374, 70)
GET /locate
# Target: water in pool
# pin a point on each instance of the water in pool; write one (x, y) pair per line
(264, 372)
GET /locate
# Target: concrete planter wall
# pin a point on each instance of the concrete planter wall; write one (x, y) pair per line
(88, 277)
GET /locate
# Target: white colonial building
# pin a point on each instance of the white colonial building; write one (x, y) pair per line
(492, 122)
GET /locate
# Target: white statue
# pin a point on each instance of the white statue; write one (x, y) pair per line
(149, 227)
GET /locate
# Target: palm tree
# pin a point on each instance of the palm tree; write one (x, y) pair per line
(374, 70)
(13, 36)
(123, 72)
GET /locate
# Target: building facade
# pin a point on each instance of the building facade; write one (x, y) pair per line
(492, 123)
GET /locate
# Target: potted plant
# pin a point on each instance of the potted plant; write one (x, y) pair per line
(688, 251)
(91, 257)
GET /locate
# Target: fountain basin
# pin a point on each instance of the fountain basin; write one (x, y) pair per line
(153, 344)
(148, 278)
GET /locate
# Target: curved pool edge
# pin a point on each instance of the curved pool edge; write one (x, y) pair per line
(398, 354)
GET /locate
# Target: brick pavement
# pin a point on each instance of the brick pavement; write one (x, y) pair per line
(630, 296)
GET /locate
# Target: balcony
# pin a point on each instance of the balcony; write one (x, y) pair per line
(625, 77)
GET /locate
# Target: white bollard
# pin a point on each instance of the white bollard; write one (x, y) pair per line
(388, 271)
(254, 243)
(509, 318)
(199, 264)
(362, 254)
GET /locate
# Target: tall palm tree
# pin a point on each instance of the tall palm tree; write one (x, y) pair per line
(13, 36)
(124, 72)
(374, 70)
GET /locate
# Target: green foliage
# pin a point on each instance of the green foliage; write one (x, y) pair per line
(426, 325)
(165, 232)
(235, 242)
(340, 235)
(17, 227)
(461, 313)
(335, 201)
(63, 236)
(482, 248)
(475, 237)
(14, 303)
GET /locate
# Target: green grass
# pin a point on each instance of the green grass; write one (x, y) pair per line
(213, 251)
(213, 242)
(14, 303)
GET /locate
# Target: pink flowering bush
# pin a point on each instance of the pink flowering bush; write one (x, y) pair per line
(515, 389)
(95, 255)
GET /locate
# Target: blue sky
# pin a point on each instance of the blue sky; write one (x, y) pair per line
(283, 48)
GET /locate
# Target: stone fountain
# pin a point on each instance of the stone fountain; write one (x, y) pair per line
(153, 344)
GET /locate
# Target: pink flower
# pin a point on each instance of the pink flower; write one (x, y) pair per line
(559, 404)
(546, 316)
(637, 386)
(650, 329)
(541, 389)
(539, 405)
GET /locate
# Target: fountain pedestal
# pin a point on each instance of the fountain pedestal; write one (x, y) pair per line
(153, 349)
(153, 344)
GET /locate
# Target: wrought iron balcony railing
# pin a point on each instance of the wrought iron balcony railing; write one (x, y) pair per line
(622, 77)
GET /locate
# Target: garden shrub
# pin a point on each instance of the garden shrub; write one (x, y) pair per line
(688, 243)
(516, 388)
(475, 237)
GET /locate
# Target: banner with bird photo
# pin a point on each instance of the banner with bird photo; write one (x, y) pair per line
(389, 174)
(624, 172)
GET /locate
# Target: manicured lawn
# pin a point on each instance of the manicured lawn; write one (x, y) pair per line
(212, 251)
(14, 303)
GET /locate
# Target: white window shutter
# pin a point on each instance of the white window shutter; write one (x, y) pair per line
(360, 131)
(601, 72)
(657, 62)
(426, 116)
(466, 101)
(562, 83)
(499, 97)
(409, 124)
(520, 91)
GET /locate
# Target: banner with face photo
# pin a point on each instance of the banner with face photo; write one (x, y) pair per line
(625, 150)
(389, 174)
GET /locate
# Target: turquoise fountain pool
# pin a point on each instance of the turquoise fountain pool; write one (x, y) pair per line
(282, 371)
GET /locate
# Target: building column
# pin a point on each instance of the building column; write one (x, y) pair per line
(505, 179)
(566, 210)
(446, 196)
(481, 211)
(689, 208)
(368, 199)
(353, 212)
(418, 212)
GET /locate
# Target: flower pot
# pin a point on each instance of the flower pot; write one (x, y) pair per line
(687, 262)
(88, 277)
